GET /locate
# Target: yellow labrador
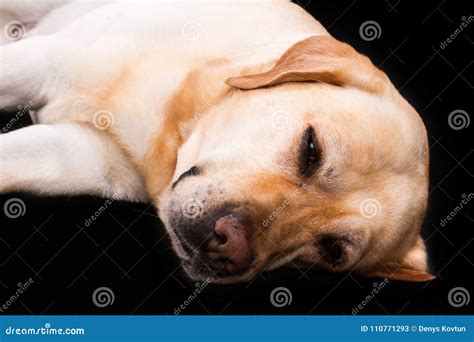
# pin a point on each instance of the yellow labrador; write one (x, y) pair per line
(262, 140)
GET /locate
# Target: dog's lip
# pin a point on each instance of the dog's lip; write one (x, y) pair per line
(209, 275)
(197, 268)
(186, 251)
(198, 265)
(200, 270)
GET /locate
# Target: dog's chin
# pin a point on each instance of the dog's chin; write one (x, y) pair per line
(197, 270)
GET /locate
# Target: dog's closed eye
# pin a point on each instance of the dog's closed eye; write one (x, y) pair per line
(194, 171)
(310, 153)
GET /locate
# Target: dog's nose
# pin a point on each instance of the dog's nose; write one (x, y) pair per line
(230, 250)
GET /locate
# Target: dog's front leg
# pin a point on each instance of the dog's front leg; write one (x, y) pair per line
(24, 67)
(67, 159)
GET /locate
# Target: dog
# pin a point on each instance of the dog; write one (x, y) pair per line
(262, 140)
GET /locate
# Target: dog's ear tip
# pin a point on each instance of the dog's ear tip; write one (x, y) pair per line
(231, 81)
(422, 277)
(239, 82)
(400, 274)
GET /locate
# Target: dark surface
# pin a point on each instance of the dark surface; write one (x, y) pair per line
(127, 250)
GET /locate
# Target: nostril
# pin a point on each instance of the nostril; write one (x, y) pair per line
(194, 171)
(221, 239)
(229, 250)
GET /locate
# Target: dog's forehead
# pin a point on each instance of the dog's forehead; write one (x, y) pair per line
(351, 125)
(312, 101)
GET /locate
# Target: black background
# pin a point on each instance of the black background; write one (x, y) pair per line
(128, 251)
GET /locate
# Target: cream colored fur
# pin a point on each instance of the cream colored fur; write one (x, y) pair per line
(128, 96)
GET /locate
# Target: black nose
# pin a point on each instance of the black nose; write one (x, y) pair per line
(194, 171)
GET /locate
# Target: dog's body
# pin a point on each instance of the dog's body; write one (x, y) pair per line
(131, 101)
(142, 53)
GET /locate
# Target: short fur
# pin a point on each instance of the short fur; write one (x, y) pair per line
(125, 104)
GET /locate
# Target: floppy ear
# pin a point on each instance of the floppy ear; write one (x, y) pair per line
(320, 59)
(412, 267)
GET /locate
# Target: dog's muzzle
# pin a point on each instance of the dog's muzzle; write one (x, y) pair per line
(211, 234)
(217, 245)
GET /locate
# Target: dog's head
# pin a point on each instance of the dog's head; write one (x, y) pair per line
(318, 161)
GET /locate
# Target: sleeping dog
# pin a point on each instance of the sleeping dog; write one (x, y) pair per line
(261, 140)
